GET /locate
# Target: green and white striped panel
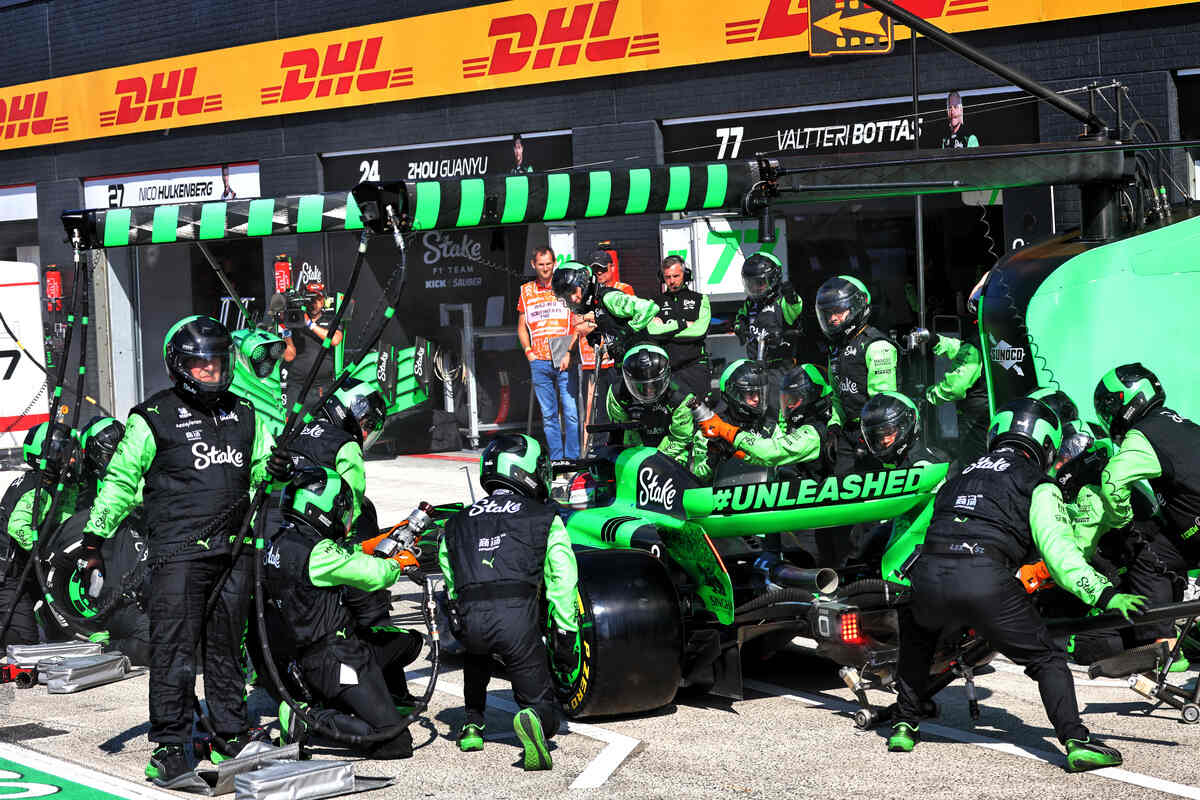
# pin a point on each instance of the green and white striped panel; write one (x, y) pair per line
(232, 219)
(555, 196)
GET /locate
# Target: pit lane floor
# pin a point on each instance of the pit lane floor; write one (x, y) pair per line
(790, 737)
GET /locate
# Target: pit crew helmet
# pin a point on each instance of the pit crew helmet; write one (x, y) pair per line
(359, 409)
(1124, 395)
(889, 426)
(99, 441)
(805, 396)
(1029, 425)
(1063, 407)
(199, 338)
(646, 370)
(571, 276)
(842, 293)
(517, 462)
(744, 389)
(761, 275)
(56, 443)
(319, 498)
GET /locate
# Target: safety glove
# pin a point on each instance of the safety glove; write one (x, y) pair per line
(564, 653)
(280, 466)
(1127, 604)
(91, 563)
(716, 428)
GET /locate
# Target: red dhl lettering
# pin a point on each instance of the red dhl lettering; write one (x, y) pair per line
(168, 94)
(568, 33)
(785, 18)
(344, 66)
(25, 114)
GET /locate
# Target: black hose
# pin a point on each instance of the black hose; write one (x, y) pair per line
(786, 595)
(874, 593)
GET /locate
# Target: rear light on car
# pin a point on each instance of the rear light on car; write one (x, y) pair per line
(848, 629)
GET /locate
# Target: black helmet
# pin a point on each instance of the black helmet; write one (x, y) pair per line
(359, 409)
(761, 275)
(889, 426)
(839, 294)
(1124, 395)
(647, 372)
(56, 443)
(99, 441)
(1029, 425)
(1079, 461)
(805, 396)
(1062, 406)
(571, 276)
(517, 462)
(744, 387)
(319, 498)
(199, 338)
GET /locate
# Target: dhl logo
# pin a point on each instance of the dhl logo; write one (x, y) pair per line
(168, 94)
(586, 32)
(23, 114)
(790, 18)
(344, 66)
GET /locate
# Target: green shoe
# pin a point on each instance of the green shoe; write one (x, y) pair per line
(529, 731)
(904, 738)
(1086, 754)
(470, 738)
(168, 765)
(1180, 664)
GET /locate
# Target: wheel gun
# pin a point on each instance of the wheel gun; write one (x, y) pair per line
(400, 543)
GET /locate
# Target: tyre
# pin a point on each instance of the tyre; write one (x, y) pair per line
(632, 636)
(127, 625)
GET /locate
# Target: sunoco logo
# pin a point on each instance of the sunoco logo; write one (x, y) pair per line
(562, 37)
(1008, 356)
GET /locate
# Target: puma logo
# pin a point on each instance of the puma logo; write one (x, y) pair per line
(488, 562)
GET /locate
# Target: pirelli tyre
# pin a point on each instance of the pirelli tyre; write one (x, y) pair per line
(631, 636)
(127, 625)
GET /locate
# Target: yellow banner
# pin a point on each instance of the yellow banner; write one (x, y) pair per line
(507, 44)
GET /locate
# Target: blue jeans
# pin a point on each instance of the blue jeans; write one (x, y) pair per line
(554, 387)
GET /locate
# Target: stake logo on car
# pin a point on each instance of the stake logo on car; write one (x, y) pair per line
(651, 492)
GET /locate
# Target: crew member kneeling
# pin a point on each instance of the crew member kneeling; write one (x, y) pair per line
(495, 556)
(350, 675)
(1000, 512)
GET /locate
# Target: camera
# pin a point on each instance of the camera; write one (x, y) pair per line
(289, 306)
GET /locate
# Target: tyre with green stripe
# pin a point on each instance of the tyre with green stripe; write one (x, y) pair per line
(631, 636)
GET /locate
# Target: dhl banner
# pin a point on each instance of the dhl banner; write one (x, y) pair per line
(514, 43)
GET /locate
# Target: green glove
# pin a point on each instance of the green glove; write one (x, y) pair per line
(1127, 604)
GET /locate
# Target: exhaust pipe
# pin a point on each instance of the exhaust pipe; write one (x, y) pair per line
(822, 580)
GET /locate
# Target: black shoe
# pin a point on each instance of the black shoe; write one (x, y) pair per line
(235, 744)
(168, 764)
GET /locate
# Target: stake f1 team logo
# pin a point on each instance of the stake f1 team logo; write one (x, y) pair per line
(344, 65)
(168, 94)
(25, 114)
(790, 18)
(586, 30)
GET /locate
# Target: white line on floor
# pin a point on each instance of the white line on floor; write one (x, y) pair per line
(85, 776)
(969, 737)
(617, 748)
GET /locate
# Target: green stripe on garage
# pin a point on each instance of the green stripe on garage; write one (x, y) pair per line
(309, 213)
(558, 195)
(639, 191)
(261, 217)
(353, 215)
(599, 192)
(679, 183)
(516, 199)
(166, 225)
(212, 221)
(116, 227)
(718, 182)
(470, 204)
(429, 203)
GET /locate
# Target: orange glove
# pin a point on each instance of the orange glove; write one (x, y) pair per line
(1035, 576)
(405, 559)
(369, 545)
(717, 428)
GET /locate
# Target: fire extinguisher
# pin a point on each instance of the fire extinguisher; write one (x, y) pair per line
(53, 326)
(283, 272)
